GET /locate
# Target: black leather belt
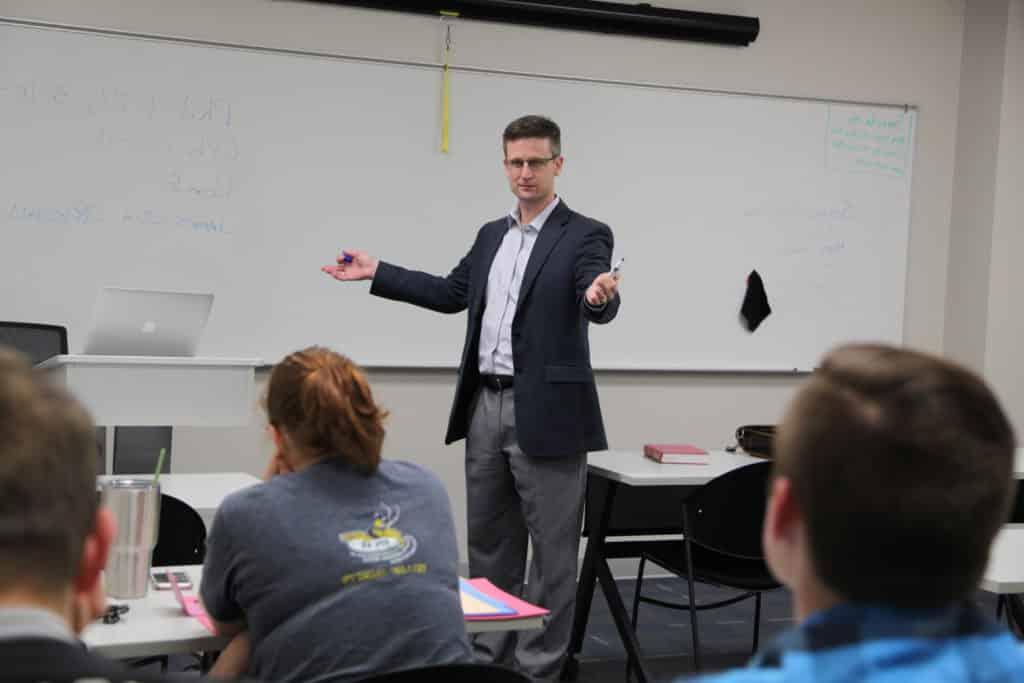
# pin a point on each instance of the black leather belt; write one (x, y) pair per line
(497, 382)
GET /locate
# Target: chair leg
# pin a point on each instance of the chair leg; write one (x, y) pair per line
(687, 535)
(1000, 603)
(636, 611)
(693, 620)
(757, 620)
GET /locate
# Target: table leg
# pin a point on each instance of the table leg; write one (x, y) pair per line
(611, 593)
(602, 491)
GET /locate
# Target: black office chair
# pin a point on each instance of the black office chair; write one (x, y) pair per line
(181, 538)
(38, 341)
(451, 673)
(137, 449)
(721, 546)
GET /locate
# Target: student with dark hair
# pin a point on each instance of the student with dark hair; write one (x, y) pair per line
(54, 538)
(893, 473)
(341, 565)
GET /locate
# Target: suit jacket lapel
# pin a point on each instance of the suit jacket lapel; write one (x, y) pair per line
(491, 241)
(553, 230)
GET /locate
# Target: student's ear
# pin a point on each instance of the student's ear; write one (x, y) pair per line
(282, 449)
(87, 587)
(95, 550)
(783, 527)
(278, 436)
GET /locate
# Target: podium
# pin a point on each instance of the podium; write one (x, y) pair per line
(143, 390)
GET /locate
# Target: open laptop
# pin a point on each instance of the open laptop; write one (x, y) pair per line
(139, 322)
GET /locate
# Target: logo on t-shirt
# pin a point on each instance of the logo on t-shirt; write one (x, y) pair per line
(382, 542)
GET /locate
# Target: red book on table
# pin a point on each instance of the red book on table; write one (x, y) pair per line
(675, 453)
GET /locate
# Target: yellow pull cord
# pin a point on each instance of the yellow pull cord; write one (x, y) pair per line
(446, 85)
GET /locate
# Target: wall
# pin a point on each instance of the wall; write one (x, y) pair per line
(873, 50)
(1005, 319)
(977, 151)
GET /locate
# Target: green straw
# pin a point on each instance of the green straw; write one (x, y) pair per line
(159, 465)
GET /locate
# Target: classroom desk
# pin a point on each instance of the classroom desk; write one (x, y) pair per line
(204, 492)
(607, 473)
(155, 625)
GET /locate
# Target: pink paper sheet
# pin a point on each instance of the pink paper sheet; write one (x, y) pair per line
(522, 608)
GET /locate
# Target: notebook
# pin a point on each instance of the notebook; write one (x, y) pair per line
(483, 601)
(476, 603)
(139, 322)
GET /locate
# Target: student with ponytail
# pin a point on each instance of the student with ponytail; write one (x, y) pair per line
(341, 564)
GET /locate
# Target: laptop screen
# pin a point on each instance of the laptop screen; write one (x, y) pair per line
(139, 322)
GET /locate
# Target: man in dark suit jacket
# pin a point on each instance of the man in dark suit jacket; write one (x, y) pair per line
(526, 401)
(54, 538)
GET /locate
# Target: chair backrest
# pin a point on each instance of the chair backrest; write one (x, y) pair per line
(136, 449)
(452, 673)
(181, 538)
(727, 513)
(36, 340)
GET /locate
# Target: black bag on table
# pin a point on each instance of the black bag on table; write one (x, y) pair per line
(756, 439)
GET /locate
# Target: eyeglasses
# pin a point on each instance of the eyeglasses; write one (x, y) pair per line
(534, 164)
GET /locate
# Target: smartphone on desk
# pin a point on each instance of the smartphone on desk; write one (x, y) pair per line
(162, 580)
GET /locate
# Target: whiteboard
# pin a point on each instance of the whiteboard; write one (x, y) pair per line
(133, 162)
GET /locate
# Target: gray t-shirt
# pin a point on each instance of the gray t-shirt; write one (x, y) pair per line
(339, 575)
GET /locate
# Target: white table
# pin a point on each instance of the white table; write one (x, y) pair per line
(142, 390)
(629, 468)
(156, 625)
(204, 492)
(1004, 574)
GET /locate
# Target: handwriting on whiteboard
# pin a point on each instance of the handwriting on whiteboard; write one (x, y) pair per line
(870, 140)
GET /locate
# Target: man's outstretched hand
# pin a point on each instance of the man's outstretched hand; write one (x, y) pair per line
(602, 289)
(353, 265)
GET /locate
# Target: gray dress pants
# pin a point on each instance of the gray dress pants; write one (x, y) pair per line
(511, 498)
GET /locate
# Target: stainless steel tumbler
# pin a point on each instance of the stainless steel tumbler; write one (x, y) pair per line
(135, 504)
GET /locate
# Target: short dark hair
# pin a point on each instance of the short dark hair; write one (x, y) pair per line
(902, 465)
(533, 126)
(47, 478)
(323, 401)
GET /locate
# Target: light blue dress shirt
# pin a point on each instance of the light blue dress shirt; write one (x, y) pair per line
(503, 283)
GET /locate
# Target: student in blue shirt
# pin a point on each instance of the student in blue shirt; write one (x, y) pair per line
(893, 474)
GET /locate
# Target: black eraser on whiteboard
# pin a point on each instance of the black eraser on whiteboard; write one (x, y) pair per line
(755, 306)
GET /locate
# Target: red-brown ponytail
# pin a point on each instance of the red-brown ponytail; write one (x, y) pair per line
(322, 400)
